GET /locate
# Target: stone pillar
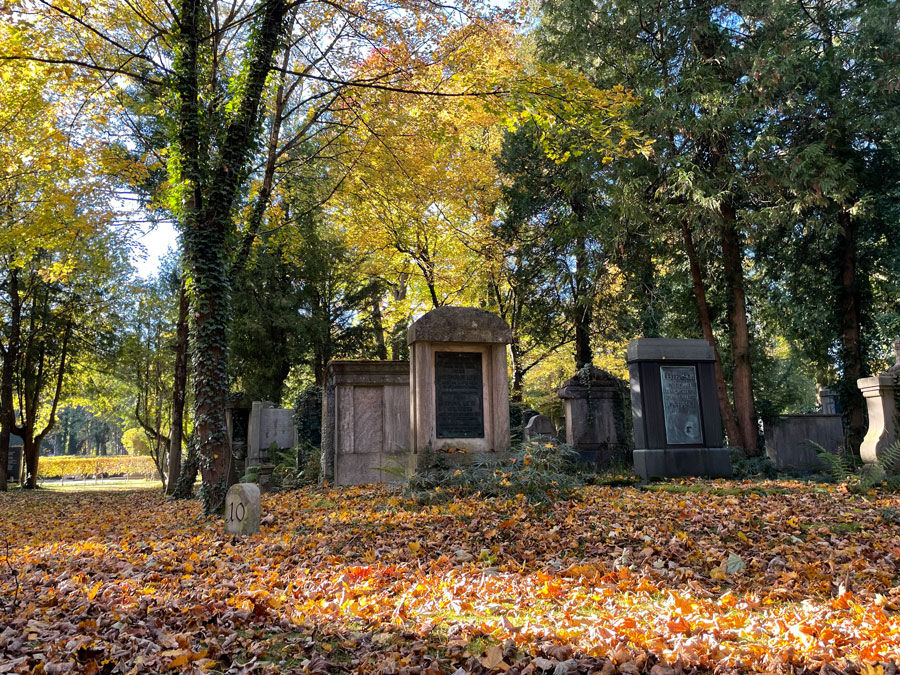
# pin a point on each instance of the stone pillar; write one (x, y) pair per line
(459, 390)
(677, 428)
(880, 393)
(827, 400)
(595, 421)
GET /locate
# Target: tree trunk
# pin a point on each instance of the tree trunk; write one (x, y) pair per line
(184, 486)
(849, 304)
(10, 358)
(582, 307)
(265, 189)
(742, 373)
(31, 454)
(731, 427)
(179, 388)
(206, 224)
(378, 327)
(518, 380)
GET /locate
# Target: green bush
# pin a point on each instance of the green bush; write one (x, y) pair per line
(751, 467)
(542, 472)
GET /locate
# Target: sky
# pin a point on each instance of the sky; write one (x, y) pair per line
(157, 241)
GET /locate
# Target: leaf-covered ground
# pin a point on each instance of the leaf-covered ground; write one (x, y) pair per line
(696, 576)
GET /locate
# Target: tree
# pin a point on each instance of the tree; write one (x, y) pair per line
(688, 63)
(830, 160)
(57, 248)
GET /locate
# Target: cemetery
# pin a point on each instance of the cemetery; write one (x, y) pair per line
(481, 337)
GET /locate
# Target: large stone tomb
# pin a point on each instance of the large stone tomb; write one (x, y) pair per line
(365, 422)
(459, 397)
(677, 428)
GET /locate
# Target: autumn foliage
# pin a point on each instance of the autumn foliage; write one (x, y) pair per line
(688, 577)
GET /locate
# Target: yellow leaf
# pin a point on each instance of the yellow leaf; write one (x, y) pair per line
(94, 590)
(414, 546)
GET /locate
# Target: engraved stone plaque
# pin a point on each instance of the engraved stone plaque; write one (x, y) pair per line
(459, 395)
(681, 405)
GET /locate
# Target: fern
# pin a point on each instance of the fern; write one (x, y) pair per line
(889, 458)
(839, 467)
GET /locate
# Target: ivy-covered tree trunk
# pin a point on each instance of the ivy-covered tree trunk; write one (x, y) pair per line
(184, 486)
(210, 185)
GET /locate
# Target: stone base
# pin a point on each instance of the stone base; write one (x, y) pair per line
(674, 463)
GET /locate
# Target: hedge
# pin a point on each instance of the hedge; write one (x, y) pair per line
(88, 467)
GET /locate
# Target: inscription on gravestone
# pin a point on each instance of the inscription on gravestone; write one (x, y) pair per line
(459, 395)
(681, 405)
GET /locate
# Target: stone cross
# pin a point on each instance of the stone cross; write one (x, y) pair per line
(242, 509)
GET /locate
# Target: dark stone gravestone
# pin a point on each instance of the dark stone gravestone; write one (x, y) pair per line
(593, 403)
(677, 428)
(14, 462)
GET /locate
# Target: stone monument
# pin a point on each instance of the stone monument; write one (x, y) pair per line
(594, 409)
(14, 460)
(677, 429)
(826, 400)
(880, 393)
(365, 427)
(265, 426)
(243, 509)
(459, 394)
(540, 427)
(791, 440)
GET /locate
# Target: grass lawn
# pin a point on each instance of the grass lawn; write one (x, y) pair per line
(702, 576)
(105, 484)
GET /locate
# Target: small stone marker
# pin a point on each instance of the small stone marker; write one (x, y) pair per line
(242, 509)
(538, 427)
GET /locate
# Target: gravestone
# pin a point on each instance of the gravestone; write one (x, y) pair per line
(365, 413)
(880, 393)
(459, 392)
(243, 509)
(595, 421)
(677, 428)
(237, 417)
(540, 427)
(827, 401)
(790, 440)
(14, 460)
(267, 425)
